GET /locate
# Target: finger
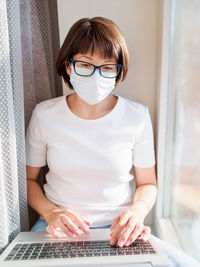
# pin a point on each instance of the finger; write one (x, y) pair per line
(57, 234)
(112, 228)
(130, 227)
(64, 228)
(71, 226)
(51, 231)
(78, 220)
(120, 226)
(146, 233)
(114, 222)
(134, 235)
(88, 223)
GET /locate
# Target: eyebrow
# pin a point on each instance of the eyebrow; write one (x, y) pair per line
(91, 59)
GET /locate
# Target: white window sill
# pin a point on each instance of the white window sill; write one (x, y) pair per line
(165, 230)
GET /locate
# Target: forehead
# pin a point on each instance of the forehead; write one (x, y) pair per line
(97, 56)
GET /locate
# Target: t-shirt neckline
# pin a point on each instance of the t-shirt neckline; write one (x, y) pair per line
(105, 117)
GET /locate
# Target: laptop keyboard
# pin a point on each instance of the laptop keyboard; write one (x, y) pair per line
(64, 249)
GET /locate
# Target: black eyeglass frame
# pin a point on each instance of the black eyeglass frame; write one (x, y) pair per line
(95, 67)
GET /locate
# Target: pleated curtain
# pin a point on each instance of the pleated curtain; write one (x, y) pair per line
(29, 45)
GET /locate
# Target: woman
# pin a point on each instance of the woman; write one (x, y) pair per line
(90, 141)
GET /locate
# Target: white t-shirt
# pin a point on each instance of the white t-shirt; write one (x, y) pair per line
(90, 160)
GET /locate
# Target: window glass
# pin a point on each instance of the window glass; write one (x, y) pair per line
(183, 145)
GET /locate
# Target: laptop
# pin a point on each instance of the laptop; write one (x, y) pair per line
(35, 249)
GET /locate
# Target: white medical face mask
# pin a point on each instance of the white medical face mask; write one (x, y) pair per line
(92, 89)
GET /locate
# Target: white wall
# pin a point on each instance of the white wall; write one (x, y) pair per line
(138, 21)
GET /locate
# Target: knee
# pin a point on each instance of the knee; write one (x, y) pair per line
(39, 226)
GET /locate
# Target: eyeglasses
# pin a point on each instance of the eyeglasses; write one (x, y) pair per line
(86, 69)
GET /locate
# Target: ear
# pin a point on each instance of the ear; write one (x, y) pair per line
(68, 68)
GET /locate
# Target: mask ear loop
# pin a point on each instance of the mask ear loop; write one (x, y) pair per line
(69, 62)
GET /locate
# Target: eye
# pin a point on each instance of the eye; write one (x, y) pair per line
(108, 68)
(84, 65)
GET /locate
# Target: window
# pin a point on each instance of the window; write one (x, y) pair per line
(181, 188)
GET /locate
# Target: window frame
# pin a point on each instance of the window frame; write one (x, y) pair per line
(162, 224)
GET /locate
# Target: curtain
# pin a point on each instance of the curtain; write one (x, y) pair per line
(29, 44)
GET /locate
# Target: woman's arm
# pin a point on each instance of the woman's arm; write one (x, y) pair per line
(36, 198)
(130, 222)
(146, 189)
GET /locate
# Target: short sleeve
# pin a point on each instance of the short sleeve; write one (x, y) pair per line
(35, 144)
(143, 151)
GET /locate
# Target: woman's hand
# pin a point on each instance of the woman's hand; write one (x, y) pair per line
(67, 221)
(130, 222)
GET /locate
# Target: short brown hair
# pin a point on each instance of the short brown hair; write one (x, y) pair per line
(94, 34)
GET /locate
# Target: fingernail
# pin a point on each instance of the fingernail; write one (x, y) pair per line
(144, 239)
(112, 241)
(70, 234)
(128, 243)
(77, 232)
(120, 243)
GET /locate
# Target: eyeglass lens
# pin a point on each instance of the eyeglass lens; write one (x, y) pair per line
(86, 69)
